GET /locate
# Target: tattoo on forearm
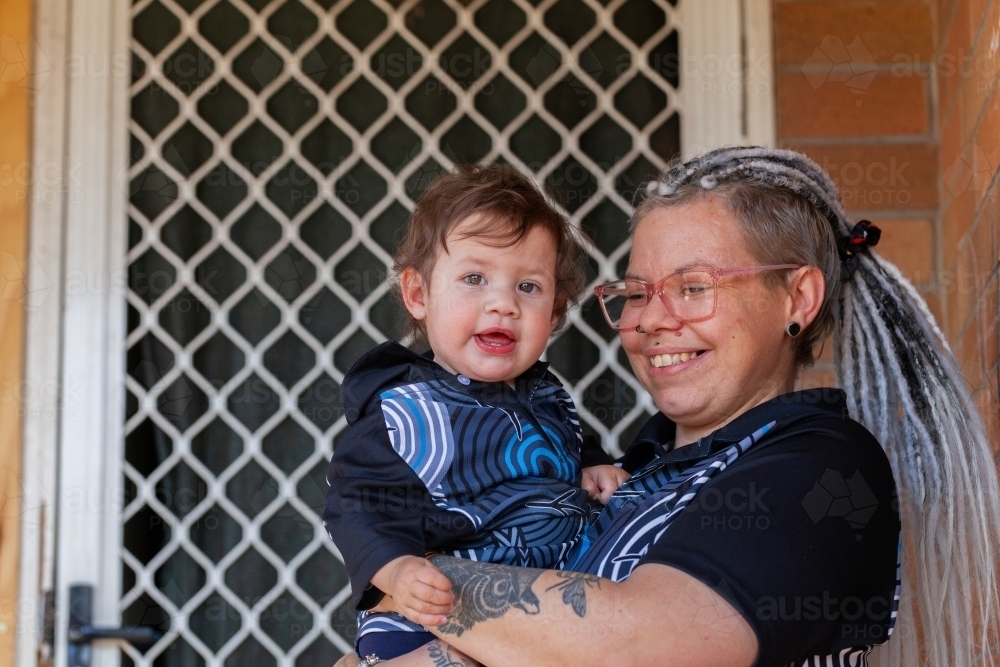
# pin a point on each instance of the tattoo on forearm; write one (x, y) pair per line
(574, 589)
(483, 591)
(442, 656)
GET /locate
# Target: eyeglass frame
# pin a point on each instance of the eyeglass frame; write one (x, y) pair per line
(657, 288)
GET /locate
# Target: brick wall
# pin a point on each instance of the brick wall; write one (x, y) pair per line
(968, 118)
(896, 100)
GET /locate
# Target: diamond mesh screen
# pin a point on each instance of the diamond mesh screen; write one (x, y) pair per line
(277, 148)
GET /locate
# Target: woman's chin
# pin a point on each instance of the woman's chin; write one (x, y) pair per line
(683, 404)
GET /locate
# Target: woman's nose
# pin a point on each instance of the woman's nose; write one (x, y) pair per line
(656, 316)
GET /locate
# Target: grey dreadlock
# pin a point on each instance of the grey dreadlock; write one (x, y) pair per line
(904, 385)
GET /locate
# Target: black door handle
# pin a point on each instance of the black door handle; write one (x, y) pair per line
(82, 632)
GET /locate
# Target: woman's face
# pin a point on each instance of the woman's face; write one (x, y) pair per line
(743, 354)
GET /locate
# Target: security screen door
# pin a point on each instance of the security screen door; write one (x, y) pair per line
(276, 149)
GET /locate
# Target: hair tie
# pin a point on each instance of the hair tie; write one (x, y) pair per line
(862, 236)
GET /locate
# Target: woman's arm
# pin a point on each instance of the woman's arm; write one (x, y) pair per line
(435, 654)
(518, 616)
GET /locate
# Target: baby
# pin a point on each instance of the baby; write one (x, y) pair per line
(472, 449)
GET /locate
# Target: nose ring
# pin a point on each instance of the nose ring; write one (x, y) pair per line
(639, 329)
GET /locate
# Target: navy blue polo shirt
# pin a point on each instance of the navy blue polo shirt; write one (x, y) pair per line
(789, 512)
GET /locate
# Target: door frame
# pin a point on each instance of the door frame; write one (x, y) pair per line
(727, 74)
(73, 423)
(76, 318)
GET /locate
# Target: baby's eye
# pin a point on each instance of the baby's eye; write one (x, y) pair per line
(529, 288)
(475, 279)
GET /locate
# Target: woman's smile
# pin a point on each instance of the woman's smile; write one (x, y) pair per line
(675, 359)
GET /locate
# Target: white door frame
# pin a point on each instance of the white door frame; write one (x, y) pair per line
(74, 411)
(76, 316)
(727, 74)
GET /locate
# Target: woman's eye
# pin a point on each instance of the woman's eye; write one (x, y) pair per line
(475, 279)
(694, 289)
(529, 288)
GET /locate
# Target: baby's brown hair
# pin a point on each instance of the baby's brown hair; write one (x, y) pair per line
(508, 206)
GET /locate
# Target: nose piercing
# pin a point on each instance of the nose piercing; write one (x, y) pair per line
(639, 329)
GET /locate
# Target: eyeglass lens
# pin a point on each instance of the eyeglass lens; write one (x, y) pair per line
(688, 296)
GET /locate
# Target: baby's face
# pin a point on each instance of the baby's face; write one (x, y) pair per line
(489, 310)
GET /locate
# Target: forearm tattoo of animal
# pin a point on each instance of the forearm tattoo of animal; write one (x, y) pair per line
(484, 591)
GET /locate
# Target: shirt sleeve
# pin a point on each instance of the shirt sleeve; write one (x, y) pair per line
(801, 538)
(376, 506)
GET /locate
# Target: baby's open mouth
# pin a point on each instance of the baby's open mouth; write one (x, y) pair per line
(663, 360)
(495, 339)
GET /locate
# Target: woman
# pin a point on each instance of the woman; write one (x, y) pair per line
(761, 525)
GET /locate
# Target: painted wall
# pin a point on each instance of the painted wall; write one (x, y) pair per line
(15, 31)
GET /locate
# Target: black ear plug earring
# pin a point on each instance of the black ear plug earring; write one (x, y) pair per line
(793, 329)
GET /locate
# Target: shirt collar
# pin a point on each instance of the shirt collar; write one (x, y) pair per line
(524, 384)
(656, 437)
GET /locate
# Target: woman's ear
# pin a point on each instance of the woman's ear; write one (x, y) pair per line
(806, 290)
(414, 291)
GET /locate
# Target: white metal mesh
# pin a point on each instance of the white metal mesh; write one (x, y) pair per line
(205, 513)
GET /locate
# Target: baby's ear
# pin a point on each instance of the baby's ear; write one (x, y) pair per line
(414, 292)
(558, 310)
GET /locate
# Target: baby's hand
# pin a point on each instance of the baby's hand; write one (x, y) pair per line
(419, 591)
(600, 482)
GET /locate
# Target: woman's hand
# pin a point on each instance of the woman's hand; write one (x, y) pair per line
(349, 660)
(600, 482)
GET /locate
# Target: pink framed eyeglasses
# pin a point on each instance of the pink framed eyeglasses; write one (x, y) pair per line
(690, 295)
